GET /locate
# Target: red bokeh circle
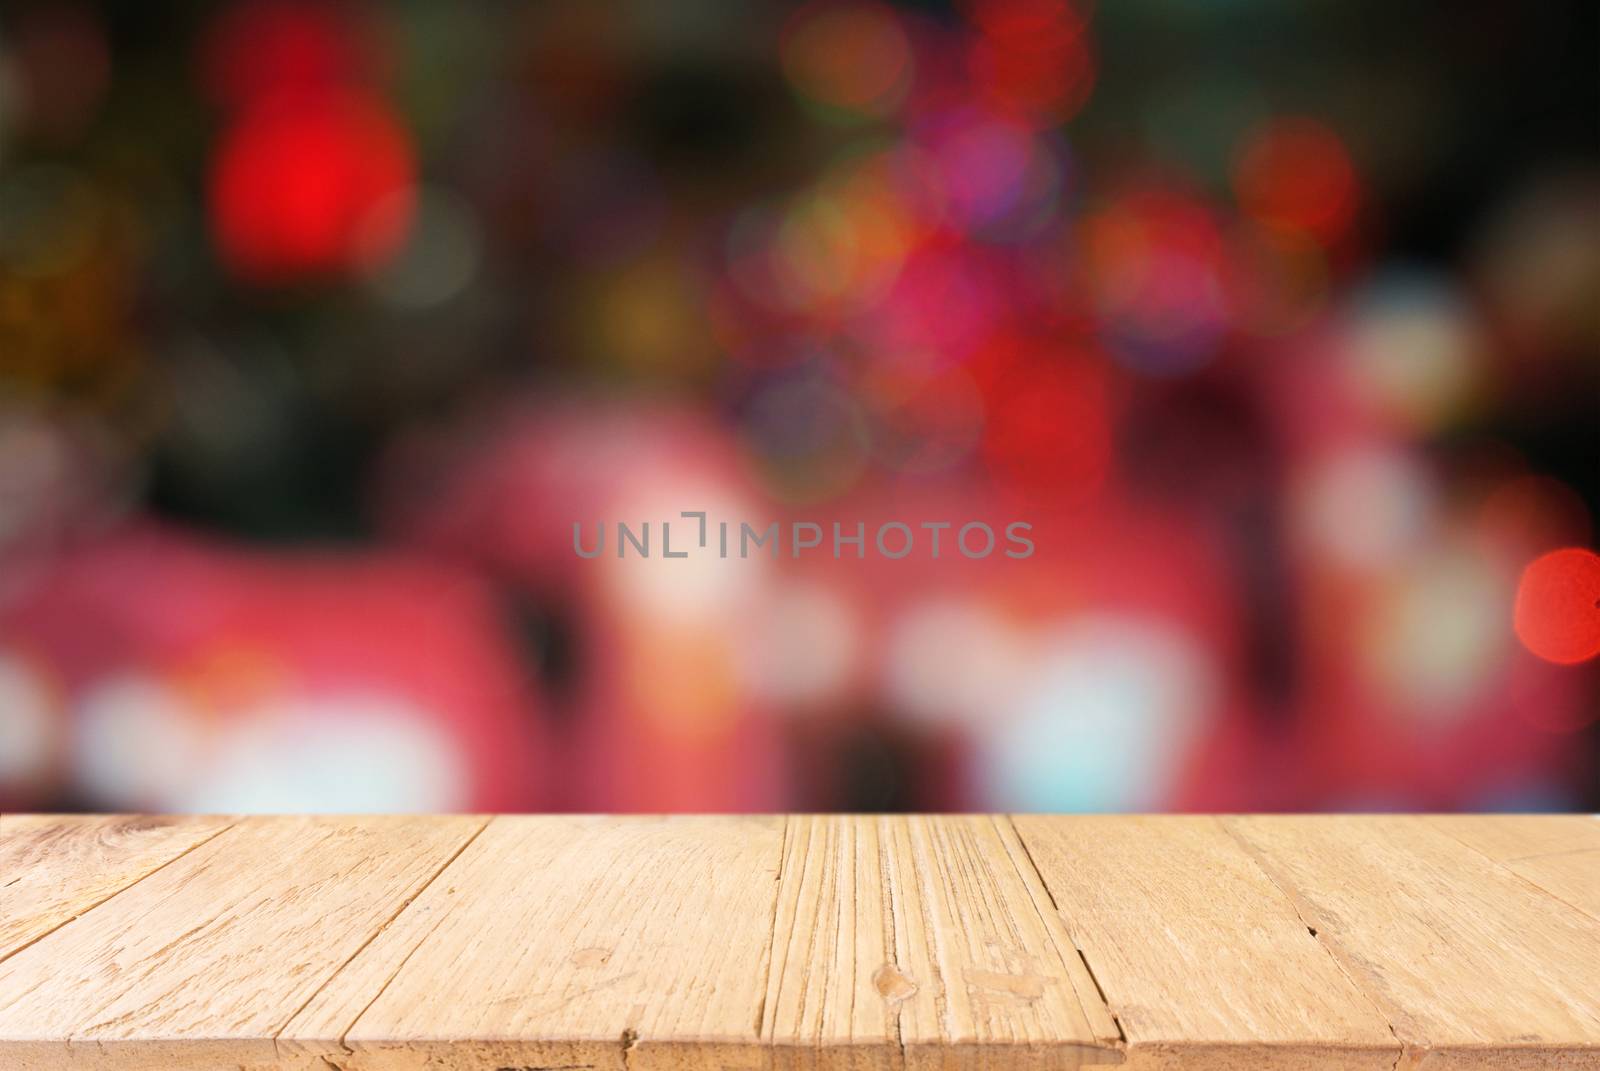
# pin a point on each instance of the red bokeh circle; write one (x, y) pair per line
(313, 186)
(1557, 613)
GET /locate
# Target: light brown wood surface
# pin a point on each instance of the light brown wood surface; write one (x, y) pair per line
(563, 941)
(925, 938)
(1198, 952)
(806, 942)
(1471, 965)
(1558, 853)
(53, 868)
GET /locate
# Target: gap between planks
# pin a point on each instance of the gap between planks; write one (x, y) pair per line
(933, 879)
(1549, 871)
(404, 906)
(1293, 900)
(1011, 822)
(96, 901)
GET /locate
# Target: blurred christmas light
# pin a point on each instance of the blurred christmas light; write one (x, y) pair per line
(956, 663)
(644, 317)
(441, 254)
(351, 754)
(1031, 57)
(987, 168)
(923, 422)
(807, 646)
(1281, 282)
(1557, 612)
(31, 723)
(1104, 720)
(749, 253)
(851, 58)
(261, 51)
(1540, 263)
(826, 254)
(809, 438)
(1437, 636)
(1365, 507)
(945, 302)
(138, 743)
(232, 675)
(1412, 352)
(1157, 264)
(312, 187)
(1296, 173)
(685, 684)
(1048, 431)
(35, 475)
(1324, 464)
(702, 590)
(1024, 23)
(843, 244)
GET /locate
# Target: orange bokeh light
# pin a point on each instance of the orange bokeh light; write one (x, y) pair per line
(852, 57)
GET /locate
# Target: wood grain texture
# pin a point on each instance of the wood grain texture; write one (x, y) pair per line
(570, 942)
(1471, 966)
(1202, 959)
(1559, 853)
(927, 942)
(53, 868)
(200, 964)
(866, 943)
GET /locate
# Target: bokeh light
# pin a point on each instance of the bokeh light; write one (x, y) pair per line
(1105, 694)
(1296, 173)
(322, 323)
(264, 52)
(1558, 605)
(1156, 261)
(320, 187)
(1031, 57)
(851, 57)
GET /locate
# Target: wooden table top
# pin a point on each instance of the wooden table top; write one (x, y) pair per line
(734, 943)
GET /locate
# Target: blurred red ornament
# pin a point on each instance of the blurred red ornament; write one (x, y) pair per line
(1049, 426)
(312, 186)
(1557, 614)
(274, 49)
(1031, 57)
(1296, 173)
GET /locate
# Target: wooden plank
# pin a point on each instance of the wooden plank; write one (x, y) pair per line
(53, 868)
(1472, 967)
(851, 942)
(571, 942)
(201, 963)
(918, 940)
(1202, 959)
(1560, 853)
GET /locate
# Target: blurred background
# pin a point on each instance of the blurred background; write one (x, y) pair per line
(321, 324)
